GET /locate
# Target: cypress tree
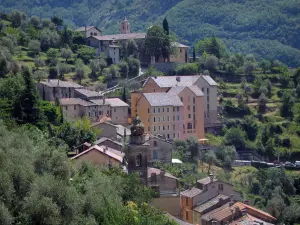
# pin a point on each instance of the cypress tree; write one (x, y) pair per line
(194, 54)
(215, 47)
(166, 26)
(124, 95)
(26, 107)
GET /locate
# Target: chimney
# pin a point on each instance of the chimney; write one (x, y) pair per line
(105, 149)
(178, 79)
(244, 211)
(86, 146)
(162, 172)
(211, 177)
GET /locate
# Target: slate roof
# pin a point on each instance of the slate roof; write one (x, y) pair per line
(245, 206)
(81, 29)
(206, 180)
(113, 102)
(191, 192)
(104, 150)
(103, 139)
(75, 101)
(120, 130)
(113, 37)
(152, 170)
(177, 44)
(209, 80)
(196, 90)
(249, 220)
(163, 99)
(88, 93)
(170, 81)
(60, 83)
(176, 90)
(210, 203)
(220, 212)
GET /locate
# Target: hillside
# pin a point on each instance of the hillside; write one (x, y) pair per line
(267, 28)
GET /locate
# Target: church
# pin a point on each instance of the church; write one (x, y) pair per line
(109, 45)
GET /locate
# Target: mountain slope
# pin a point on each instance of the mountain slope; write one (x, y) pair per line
(263, 22)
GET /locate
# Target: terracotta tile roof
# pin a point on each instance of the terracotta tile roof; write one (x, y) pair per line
(244, 206)
(88, 93)
(162, 99)
(75, 101)
(249, 220)
(60, 83)
(113, 37)
(117, 155)
(218, 214)
(152, 170)
(215, 201)
(191, 192)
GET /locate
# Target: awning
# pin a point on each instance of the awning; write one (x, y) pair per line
(176, 161)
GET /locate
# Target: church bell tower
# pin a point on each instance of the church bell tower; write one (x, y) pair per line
(125, 27)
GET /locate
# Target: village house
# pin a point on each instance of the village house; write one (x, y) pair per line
(87, 94)
(205, 189)
(109, 143)
(95, 109)
(161, 181)
(205, 83)
(50, 90)
(160, 150)
(101, 156)
(88, 31)
(115, 132)
(176, 113)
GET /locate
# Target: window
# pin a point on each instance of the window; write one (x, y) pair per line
(173, 126)
(178, 135)
(208, 91)
(180, 50)
(207, 98)
(183, 126)
(158, 110)
(167, 109)
(158, 127)
(168, 118)
(194, 100)
(74, 107)
(207, 107)
(153, 110)
(174, 135)
(188, 98)
(154, 128)
(181, 98)
(155, 155)
(148, 128)
(91, 33)
(189, 107)
(168, 127)
(155, 143)
(177, 117)
(163, 127)
(186, 215)
(173, 118)
(138, 160)
(159, 119)
(115, 109)
(163, 109)
(220, 187)
(95, 34)
(174, 109)
(194, 108)
(89, 114)
(194, 116)
(148, 119)
(163, 118)
(66, 107)
(95, 113)
(203, 90)
(189, 116)
(177, 108)
(189, 126)
(154, 119)
(168, 135)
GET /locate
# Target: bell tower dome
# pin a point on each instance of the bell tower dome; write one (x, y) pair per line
(125, 27)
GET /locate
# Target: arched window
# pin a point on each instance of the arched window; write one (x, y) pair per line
(189, 126)
(95, 34)
(138, 160)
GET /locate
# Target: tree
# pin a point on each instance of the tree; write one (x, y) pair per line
(211, 46)
(39, 75)
(249, 67)
(187, 69)
(262, 103)
(57, 21)
(66, 53)
(235, 136)
(34, 46)
(134, 85)
(247, 91)
(67, 36)
(250, 126)
(5, 216)
(52, 55)
(226, 154)
(35, 21)
(131, 48)
(49, 39)
(114, 71)
(86, 53)
(15, 67)
(79, 70)
(124, 95)
(265, 65)
(284, 77)
(286, 108)
(166, 25)
(194, 54)
(62, 69)
(156, 43)
(17, 18)
(211, 159)
(134, 67)
(26, 108)
(193, 145)
(211, 63)
(124, 69)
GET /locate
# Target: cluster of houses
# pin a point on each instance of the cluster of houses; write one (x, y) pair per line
(166, 108)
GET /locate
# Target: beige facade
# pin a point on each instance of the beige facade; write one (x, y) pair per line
(89, 31)
(160, 150)
(105, 130)
(168, 203)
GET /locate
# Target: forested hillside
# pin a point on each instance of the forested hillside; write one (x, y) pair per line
(267, 28)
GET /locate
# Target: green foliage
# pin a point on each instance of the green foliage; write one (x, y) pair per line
(235, 136)
(212, 46)
(166, 26)
(134, 66)
(49, 39)
(124, 69)
(86, 53)
(187, 69)
(226, 155)
(34, 46)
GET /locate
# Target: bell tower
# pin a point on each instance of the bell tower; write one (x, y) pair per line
(137, 150)
(125, 27)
